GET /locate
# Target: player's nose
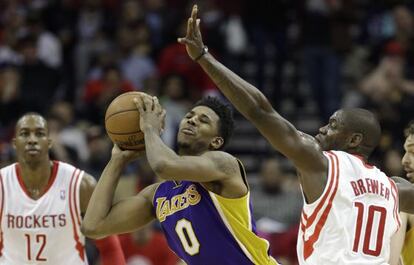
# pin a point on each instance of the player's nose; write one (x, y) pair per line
(32, 138)
(322, 130)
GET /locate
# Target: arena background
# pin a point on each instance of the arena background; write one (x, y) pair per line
(67, 59)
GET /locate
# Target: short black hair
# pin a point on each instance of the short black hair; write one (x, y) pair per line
(225, 113)
(410, 129)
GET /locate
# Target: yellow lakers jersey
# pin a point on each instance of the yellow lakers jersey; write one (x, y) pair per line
(407, 253)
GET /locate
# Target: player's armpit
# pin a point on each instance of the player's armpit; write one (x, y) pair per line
(125, 216)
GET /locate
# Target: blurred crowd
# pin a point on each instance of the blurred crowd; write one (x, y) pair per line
(67, 59)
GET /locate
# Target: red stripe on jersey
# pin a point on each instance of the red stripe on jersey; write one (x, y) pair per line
(308, 244)
(50, 182)
(312, 217)
(77, 213)
(79, 247)
(394, 192)
(1, 214)
(369, 166)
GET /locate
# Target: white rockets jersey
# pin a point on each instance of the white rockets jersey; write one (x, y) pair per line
(353, 220)
(46, 230)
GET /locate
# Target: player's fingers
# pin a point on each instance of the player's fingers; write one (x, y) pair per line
(184, 41)
(139, 105)
(147, 101)
(157, 105)
(197, 30)
(194, 12)
(189, 30)
(192, 20)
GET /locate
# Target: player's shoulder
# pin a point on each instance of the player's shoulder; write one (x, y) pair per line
(223, 160)
(8, 167)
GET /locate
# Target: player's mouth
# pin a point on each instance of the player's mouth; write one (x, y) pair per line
(32, 151)
(188, 131)
(410, 173)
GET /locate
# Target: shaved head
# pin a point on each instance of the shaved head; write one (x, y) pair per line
(32, 115)
(363, 121)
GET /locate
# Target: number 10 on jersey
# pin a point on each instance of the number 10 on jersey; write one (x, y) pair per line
(366, 224)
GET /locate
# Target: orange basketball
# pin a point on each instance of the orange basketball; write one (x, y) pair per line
(122, 122)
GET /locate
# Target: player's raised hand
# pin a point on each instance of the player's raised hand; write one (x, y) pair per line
(193, 40)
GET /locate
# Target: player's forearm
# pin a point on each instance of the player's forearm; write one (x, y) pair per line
(244, 96)
(101, 201)
(158, 154)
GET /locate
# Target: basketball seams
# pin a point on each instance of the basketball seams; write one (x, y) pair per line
(118, 112)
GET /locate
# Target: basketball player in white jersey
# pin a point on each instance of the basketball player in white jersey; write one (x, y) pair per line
(351, 207)
(41, 205)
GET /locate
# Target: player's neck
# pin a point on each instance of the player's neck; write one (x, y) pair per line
(36, 176)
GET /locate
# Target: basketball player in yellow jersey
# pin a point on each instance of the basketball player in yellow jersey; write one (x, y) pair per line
(402, 252)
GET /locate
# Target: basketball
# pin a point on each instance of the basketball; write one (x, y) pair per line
(122, 122)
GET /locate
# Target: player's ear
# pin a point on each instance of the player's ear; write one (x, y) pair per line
(14, 143)
(355, 140)
(50, 143)
(217, 142)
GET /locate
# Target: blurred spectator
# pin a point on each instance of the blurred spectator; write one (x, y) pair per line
(386, 82)
(135, 63)
(326, 37)
(147, 247)
(38, 82)
(49, 48)
(99, 147)
(93, 26)
(277, 205)
(9, 93)
(174, 99)
(99, 93)
(174, 60)
(68, 132)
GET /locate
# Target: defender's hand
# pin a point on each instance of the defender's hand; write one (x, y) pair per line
(193, 40)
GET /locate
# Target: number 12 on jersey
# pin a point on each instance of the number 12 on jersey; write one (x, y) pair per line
(37, 242)
(374, 219)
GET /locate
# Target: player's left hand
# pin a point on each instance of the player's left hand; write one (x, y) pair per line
(193, 40)
(152, 115)
(126, 155)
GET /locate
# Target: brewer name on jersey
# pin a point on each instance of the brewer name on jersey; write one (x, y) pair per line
(368, 185)
(166, 207)
(35, 221)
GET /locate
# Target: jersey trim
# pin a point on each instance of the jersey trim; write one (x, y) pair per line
(394, 192)
(227, 224)
(333, 178)
(1, 214)
(72, 206)
(50, 182)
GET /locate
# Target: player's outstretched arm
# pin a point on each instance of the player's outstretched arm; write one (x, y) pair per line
(283, 136)
(406, 195)
(103, 216)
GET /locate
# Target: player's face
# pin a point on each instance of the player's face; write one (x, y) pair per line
(198, 129)
(332, 136)
(408, 158)
(32, 141)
